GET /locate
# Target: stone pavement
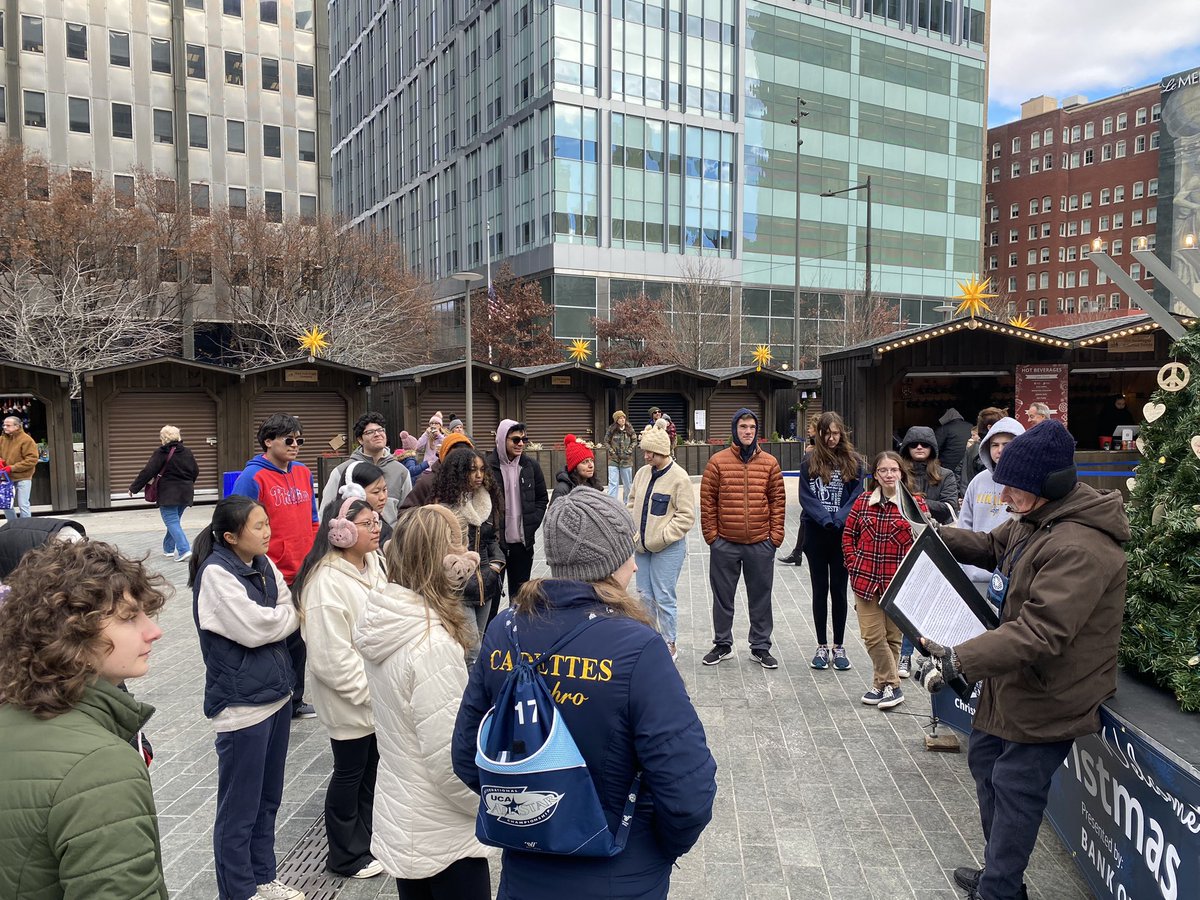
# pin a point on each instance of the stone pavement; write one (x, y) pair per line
(819, 796)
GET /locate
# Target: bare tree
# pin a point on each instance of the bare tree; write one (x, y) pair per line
(701, 322)
(637, 333)
(514, 326)
(870, 317)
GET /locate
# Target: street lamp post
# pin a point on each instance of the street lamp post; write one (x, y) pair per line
(865, 186)
(800, 114)
(467, 278)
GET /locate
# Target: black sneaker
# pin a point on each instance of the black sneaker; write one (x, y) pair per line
(790, 560)
(892, 696)
(303, 711)
(716, 654)
(765, 659)
(967, 878)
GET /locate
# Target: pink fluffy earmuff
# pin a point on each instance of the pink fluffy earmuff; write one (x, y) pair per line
(342, 532)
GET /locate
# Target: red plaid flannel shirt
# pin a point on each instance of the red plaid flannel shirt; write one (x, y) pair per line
(874, 542)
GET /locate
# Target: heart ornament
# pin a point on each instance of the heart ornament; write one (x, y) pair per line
(1130, 483)
(1196, 444)
(1154, 411)
(1140, 443)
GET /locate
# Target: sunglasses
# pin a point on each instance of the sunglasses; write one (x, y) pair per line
(920, 444)
(293, 442)
(519, 440)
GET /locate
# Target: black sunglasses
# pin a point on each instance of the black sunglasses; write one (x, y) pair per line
(920, 444)
(290, 441)
(519, 440)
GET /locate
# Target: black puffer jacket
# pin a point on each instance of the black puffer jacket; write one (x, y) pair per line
(20, 536)
(941, 497)
(952, 436)
(177, 487)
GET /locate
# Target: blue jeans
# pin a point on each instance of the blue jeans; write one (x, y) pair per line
(657, 577)
(625, 474)
(906, 647)
(250, 765)
(20, 507)
(176, 540)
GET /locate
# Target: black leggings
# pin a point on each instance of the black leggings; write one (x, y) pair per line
(827, 569)
(466, 879)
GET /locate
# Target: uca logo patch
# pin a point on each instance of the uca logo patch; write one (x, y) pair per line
(518, 806)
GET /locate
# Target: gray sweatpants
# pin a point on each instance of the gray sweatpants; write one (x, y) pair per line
(726, 563)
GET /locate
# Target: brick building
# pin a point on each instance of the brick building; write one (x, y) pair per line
(1057, 179)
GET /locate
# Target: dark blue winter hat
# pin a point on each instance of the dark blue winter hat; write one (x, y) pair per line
(1040, 461)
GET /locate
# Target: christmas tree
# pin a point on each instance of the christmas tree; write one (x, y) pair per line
(1161, 636)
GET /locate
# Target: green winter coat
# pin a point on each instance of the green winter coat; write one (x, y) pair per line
(77, 813)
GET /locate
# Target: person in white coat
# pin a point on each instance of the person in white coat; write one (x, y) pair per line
(332, 586)
(412, 634)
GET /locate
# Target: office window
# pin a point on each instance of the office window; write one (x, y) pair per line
(1106, 153)
(164, 194)
(1048, 136)
(1154, 140)
(233, 68)
(1139, 190)
(237, 203)
(1089, 156)
(1119, 194)
(1120, 149)
(1089, 131)
(1152, 218)
(198, 131)
(1118, 247)
(194, 4)
(1045, 229)
(1122, 121)
(1033, 232)
(1087, 200)
(1073, 203)
(304, 15)
(273, 205)
(232, 8)
(1016, 145)
(235, 136)
(1152, 188)
(32, 34)
(1139, 144)
(1106, 126)
(164, 126)
(308, 146)
(1103, 224)
(122, 120)
(160, 55)
(1031, 258)
(1048, 162)
(1075, 133)
(1045, 204)
(1012, 261)
(306, 81)
(1044, 255)
(3, 101)
(81, 184)
(1118, 220)
(35, 109)
(1135, 218)
(76, 41)
(1035, 140)
(1105, 196)
(995, 151)
(995, 174)
(1033, 206)
(1135, 271)
(1035, 165)
(268, 11)
(1012, 284)
(1139, 118)
(308, 209)
(1016, 170)
(118, 48)
(1013, 235)
(196, 67)
(200, 199)
(1156, 112)
(37, 183)
(1030, 282)
(202, 271)
(1043, 307)
(1044, 280)
(270, 74)
(1014, 210)
(1, 31)
(272, 142)
(79, 115)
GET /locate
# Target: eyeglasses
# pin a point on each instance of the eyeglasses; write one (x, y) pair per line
(374, 524)
(291, 441)
(371, 432)
(519, 440)
(916, 444)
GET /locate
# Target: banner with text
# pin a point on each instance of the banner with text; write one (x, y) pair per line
(1042, 384)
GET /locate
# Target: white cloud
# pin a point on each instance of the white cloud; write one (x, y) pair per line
(1094, 48)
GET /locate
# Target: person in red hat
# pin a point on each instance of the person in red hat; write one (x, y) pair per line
(580, 468)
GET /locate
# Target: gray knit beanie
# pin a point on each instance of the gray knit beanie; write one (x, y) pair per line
(589, 535)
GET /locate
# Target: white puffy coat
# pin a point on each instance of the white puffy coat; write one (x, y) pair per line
(424, 816)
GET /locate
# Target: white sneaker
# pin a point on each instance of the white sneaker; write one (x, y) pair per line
(370, 870)
(185, 557)
(277, 890)
(169, 554)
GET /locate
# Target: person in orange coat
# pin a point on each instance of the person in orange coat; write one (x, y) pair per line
(742, 505)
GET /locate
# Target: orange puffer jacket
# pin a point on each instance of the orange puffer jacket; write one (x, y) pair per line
(742, 502)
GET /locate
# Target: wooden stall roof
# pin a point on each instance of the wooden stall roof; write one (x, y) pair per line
(730, 372)
(156, 360)
(531, 372)
(428, 370)
(62, 376)
(365, 374)
(804, 378)
(641, 373)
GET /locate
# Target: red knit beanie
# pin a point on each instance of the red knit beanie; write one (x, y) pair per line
(577, 451)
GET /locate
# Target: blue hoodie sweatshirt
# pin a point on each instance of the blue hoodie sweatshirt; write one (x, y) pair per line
(291, 505)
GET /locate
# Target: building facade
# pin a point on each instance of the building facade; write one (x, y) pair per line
(224, 101)
(1059, 178)
(617, 146)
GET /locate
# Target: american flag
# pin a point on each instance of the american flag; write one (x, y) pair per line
(493, 301)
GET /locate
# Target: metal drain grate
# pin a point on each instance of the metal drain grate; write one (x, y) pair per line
(304, 867)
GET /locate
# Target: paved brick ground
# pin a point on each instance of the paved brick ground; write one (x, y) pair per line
(820, 796)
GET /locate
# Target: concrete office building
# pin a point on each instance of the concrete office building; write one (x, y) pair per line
(610, 143)
(226, 101)
(1058, 178)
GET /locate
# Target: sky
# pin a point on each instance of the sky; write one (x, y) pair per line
(1090, 47)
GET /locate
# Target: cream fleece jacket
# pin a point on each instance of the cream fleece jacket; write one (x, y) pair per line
(333, 598)
(668, 519)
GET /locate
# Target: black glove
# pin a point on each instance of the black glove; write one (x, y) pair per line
(940, 668)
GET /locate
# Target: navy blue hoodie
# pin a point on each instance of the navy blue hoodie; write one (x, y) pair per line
(627, 708)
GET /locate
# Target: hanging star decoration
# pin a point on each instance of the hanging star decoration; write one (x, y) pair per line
(973, 296)
(762, 356)
(1021, 322)
(314, 341)
(580, 350)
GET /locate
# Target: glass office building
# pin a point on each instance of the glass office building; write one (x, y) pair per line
(611, 143)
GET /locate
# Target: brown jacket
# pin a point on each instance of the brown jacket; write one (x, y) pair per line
(20, 451)
(1053, 660)
(742, 502)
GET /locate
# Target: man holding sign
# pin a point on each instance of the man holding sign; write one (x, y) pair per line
(1058, 579)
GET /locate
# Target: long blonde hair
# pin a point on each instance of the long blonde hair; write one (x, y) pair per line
(531, 599)
(424, 537)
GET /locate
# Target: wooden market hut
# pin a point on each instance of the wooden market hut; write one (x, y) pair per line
(49, 424)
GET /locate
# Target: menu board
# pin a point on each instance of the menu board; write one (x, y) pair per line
(1042, 384)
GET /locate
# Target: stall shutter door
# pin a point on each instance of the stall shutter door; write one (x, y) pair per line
(724, 403)
(486, 413)
(323, 415)
(672, 404)
(549, 415)
(132, 424)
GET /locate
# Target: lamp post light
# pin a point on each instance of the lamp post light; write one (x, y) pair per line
(467, 278)
(801, 113)
(865, 186)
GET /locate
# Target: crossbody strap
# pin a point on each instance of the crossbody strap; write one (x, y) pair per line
(166, 463)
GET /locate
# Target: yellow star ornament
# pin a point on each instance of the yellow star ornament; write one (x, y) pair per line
(762, 356)
(1021, 321)
(314, 341)
(974, 295)
(580, 350)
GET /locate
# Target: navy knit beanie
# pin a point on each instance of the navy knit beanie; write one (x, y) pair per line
(1040, 461)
